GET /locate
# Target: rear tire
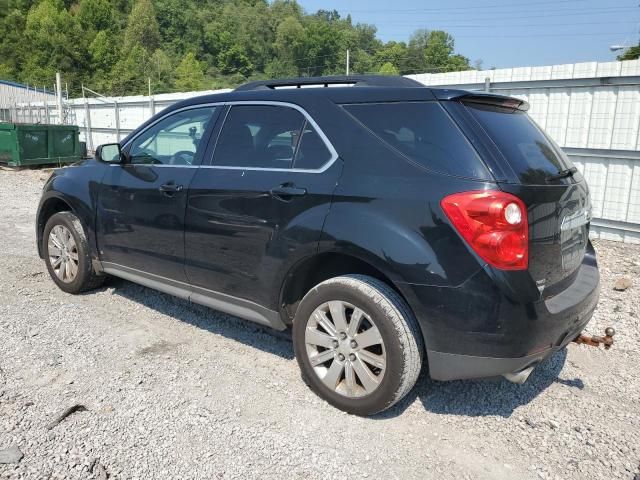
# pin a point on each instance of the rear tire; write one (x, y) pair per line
(358, 344)
(67, 254)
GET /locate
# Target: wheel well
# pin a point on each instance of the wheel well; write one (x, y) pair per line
(50, 207)
(312, 271)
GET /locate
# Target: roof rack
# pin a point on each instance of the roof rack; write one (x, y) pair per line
(332, 81)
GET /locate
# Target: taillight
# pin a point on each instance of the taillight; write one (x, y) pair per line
(494, 224)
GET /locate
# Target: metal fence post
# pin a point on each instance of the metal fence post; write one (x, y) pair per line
(152, 106)
(487, 84)
(87, 124)
(117, 111)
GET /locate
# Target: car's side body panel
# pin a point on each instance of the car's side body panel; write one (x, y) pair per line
(139, 226)
(78, 187)
(242, 240)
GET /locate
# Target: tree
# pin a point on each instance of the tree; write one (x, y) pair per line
(129, 75)
(142, 27)
(116, 45)
(234, 60)
(95, 15)
(189, 75)
(321, 49)
(12, 43)
(54, 42)
(289, 47)
(179, 24)
(432, 51)
(388, 69)
(630, 54)
(161, 71)
(102, 51)
(394, 53)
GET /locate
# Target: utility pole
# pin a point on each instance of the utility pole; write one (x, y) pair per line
(347, 62)
(59, 96)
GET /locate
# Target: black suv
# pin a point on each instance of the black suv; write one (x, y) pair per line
(379, 219)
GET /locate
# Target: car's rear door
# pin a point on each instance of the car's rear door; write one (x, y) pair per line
(260, 203)
(141, 204)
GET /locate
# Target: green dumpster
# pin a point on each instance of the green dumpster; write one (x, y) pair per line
(38, 144)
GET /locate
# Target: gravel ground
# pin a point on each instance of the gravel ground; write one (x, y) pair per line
(173, 390)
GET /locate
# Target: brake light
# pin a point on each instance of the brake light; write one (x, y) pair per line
(494, 224)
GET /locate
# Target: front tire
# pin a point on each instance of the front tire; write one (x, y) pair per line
(67, 254)
(358, 344)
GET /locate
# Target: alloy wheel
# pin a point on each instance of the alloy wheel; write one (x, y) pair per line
(63, 253)
(345, 349)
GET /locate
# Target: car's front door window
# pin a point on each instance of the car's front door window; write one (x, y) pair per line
(175, 140)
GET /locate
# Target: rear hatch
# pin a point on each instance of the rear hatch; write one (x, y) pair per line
(541, 175)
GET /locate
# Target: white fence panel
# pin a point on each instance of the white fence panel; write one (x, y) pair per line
(591, 109)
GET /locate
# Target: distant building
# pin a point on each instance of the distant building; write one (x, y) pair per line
(12, 94)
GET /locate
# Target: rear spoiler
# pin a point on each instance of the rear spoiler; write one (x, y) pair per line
(500, 101)
(481, 98)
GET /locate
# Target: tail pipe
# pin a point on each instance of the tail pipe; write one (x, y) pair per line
(521, 376)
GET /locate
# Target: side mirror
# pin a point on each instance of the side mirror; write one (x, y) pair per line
(109, 153)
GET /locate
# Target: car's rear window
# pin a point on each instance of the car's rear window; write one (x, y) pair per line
(530, 153)
(424, 133)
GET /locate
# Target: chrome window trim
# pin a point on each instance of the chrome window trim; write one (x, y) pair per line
(323, 137)
(309, 119)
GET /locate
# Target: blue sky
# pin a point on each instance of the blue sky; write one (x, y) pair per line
(503, 33)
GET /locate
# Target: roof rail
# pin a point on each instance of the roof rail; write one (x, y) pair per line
(332, 81)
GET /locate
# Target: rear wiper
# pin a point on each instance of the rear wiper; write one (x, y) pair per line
(562, 174)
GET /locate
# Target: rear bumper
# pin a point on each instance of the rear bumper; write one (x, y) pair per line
(452, 366)
(482, 328)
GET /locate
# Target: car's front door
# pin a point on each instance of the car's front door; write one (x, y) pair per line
(260, 204)
(141, 204)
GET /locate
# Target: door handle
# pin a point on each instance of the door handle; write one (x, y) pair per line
(286, 191)
(170, 187)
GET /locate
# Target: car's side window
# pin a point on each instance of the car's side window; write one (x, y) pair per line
(174, 140)
(262, 136)
(312, 151)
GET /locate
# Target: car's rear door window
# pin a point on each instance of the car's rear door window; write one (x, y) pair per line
(312, 152)
(259, 136)
(531, 154)
(424, 133)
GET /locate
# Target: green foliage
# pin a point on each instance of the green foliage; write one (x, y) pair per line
(102, 52)
(117, 46)
(433, 52)
(388, 69)
(142, 27)
(189, 76)
(54, 42)
(95, 15)
(130, 74)
(630, 54)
